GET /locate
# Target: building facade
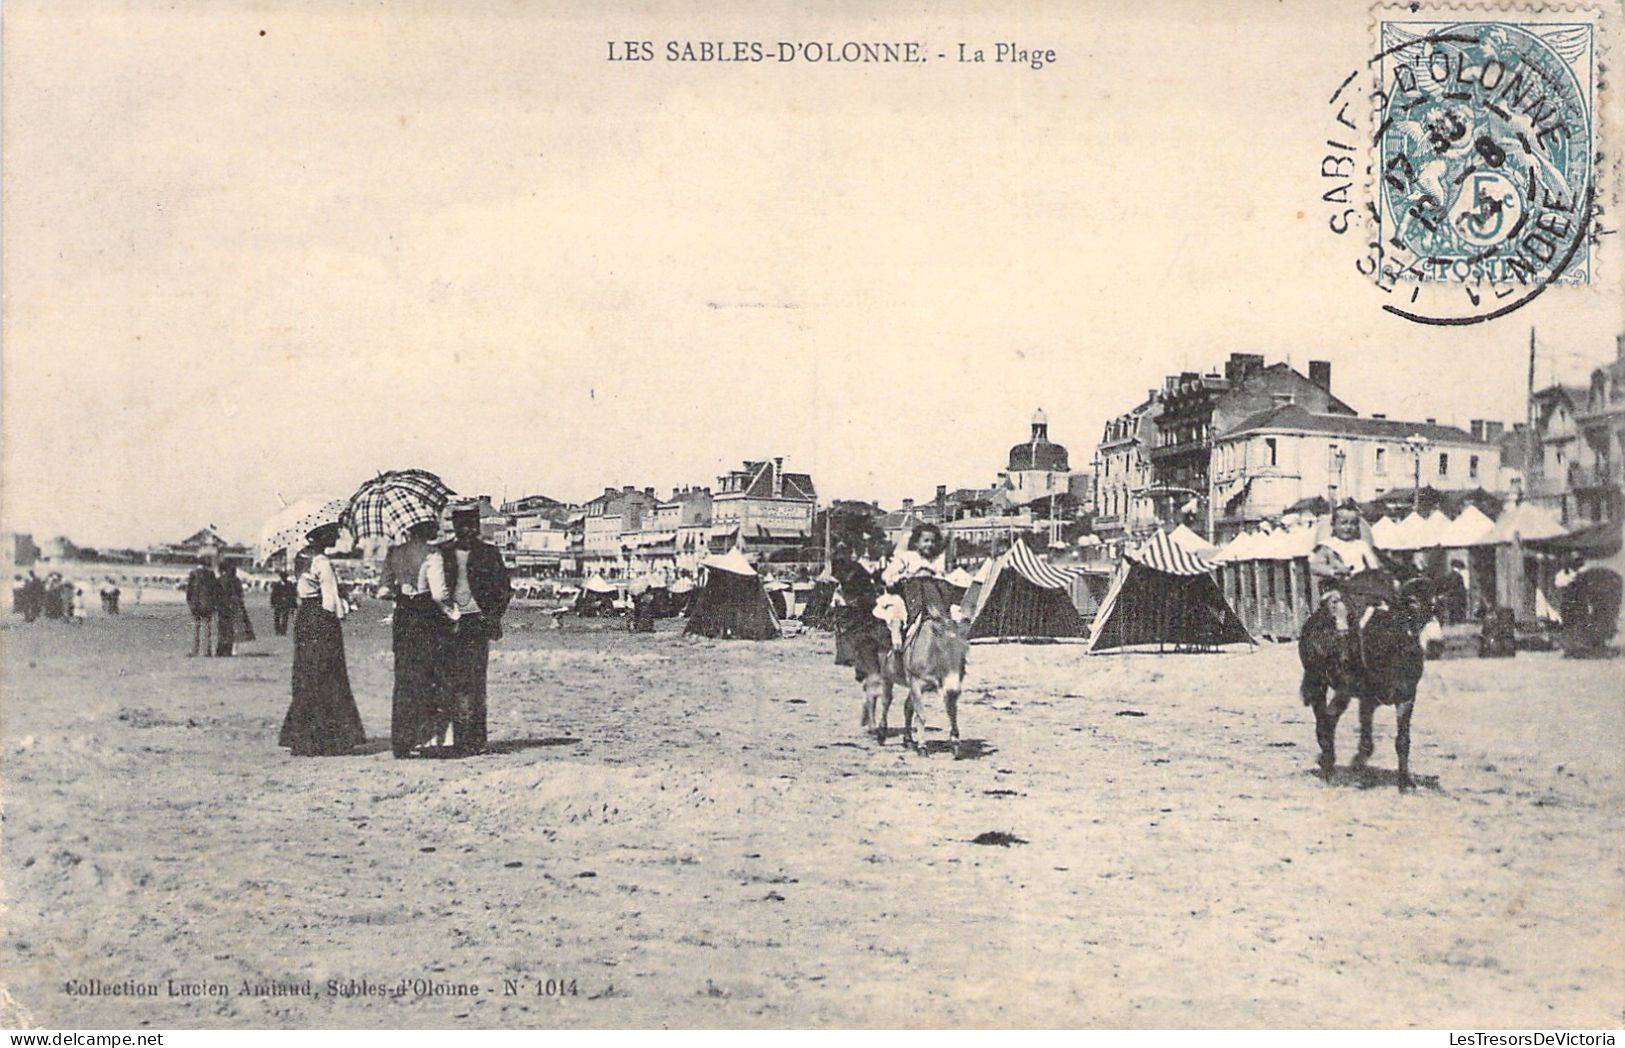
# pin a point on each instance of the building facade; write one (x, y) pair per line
(607, 520)
(1287, 456)
(1600, 478)
(1122, 468)
(766, 511)
(1195, 409)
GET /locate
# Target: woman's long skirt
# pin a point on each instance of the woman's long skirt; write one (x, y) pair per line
(421, 711)
(323, 719)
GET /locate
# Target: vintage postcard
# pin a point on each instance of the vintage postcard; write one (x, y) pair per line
(867, 515)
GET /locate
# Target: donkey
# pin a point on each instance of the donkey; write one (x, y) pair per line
(1387, 674)
(933, 659)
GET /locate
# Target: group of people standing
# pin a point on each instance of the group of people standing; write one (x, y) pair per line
(219, 613)
(449, 602)
(53, 597)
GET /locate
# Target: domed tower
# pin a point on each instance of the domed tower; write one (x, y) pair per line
(1039, 453)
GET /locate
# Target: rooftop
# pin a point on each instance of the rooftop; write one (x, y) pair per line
(1293, 418)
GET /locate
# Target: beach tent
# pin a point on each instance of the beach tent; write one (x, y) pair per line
(732, 602)
(1525, 521)
(1191, 542)
(1021, 598)
(1470, 528)
(1385, 533)
(973, 592)
(597, 597)
(1164, 595)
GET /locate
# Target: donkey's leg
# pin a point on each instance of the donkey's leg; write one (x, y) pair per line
(871, 700)
(1328, 711)
(915, 711)
(885, 707)
(950, 701)
(1313, 689)
(1402, 741)
(1368, 710)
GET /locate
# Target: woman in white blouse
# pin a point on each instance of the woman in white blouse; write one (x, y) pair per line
(322, 719)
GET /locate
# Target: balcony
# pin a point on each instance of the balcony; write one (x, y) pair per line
(1593, 478)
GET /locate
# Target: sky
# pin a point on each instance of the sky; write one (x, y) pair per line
(258, 251)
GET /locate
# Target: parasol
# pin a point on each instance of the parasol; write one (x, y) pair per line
(287, 528)
(388, 505)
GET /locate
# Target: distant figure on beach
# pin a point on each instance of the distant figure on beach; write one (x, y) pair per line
(322, 719)
(480, 592)
(861, 639)
(78, 604)
(110, 595)
(55, 603)
(283, 602)
(202, 600)
(33, 598)
(232, 613)
(415, 573)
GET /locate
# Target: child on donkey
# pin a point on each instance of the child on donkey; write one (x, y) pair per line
(1357, 582)
(919, 576)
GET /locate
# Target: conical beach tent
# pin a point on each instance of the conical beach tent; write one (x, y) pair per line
(1022, 599)
(732, 602)
(1165, 595)
(597, 597)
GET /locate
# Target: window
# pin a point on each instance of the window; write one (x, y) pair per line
(1269, 447)
(1472, 467)
(1444, 464)
(1382, 462)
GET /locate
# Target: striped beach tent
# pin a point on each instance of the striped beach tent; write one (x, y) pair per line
(1165, 597)
(1022, 598)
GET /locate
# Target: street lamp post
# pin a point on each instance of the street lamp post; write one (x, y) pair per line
(1418, 445)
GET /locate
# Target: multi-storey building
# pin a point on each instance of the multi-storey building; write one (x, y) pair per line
(1194, 409)
(1123, 503)
(608, 519)
(765, 511)
(1283, 457)
(1598, 482)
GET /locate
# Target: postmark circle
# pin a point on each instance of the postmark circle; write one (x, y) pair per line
(1483, 169)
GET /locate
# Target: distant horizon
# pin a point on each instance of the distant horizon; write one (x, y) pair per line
(246, 535)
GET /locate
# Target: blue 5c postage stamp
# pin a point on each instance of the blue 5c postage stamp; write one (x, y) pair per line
(1485, 152)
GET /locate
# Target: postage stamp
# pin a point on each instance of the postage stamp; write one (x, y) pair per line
(1483, 158)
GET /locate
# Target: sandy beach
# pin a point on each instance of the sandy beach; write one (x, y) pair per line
(677, 832)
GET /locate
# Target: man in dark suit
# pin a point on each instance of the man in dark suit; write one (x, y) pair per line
(284, 600)
(477, 581)
(203, 600)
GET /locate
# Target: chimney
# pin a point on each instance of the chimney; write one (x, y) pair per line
(1320, 373)
(649, 492)
(1378, 414)
(611, 491)
(942, 501)
(1240, 365)
(629, 489)
(1493, 431)
(1432, 421)
(908, 504)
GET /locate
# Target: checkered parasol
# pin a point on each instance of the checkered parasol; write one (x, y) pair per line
(390, 503)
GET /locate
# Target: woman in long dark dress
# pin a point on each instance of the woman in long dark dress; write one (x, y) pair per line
(420, 712)
(323, 719)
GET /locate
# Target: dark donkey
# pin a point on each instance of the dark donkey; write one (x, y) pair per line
(1386, 674)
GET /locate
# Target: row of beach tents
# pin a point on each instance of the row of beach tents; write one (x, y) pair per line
(1172, 592)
